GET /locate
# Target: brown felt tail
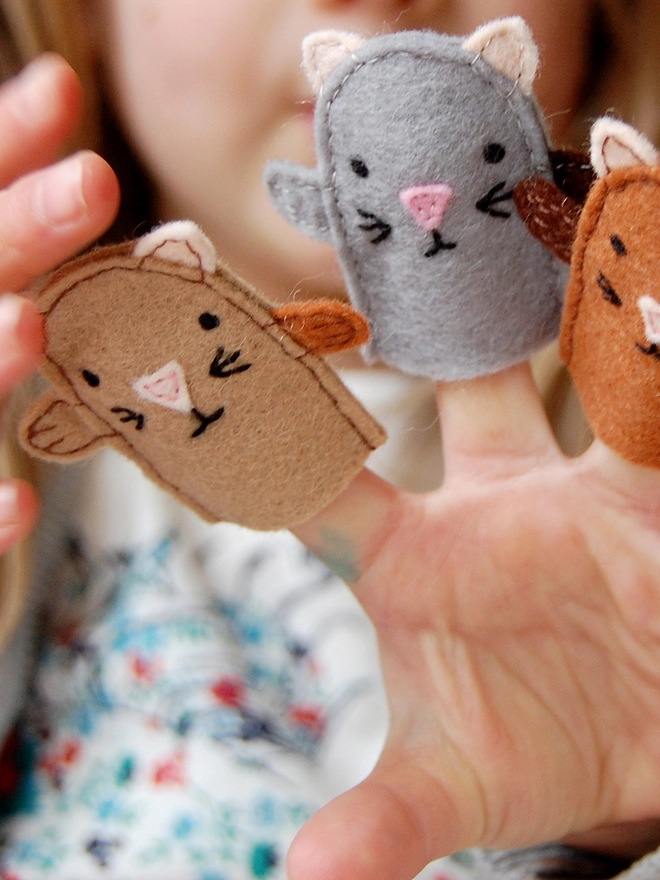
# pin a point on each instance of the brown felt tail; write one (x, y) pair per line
(551, 211)
(549, 215)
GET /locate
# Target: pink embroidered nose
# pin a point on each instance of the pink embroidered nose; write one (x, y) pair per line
(650, 309)
(428, 204)
(166, 387)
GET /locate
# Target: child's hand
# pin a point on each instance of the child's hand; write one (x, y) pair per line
(47, 213)
(518, 612)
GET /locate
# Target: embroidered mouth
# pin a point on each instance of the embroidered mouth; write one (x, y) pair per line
(204, 420)
(127, 415)
(439, 244)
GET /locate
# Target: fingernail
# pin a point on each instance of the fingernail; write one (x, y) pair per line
(59, 197)
(32, 92)
(21, 329)
(8, 504)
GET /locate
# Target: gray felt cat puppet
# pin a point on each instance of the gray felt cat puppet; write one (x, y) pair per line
(421, 139)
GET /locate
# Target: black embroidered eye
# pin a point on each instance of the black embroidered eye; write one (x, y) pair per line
(618, 245)
(209, 321)
(91, 378)
(494, 153)
(609, 293)
(359, 168)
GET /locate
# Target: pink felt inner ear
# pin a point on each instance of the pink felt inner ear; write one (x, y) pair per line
(427, 204)
(166, 387)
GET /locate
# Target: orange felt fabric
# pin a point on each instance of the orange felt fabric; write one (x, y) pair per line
(323, 326)
(617, 258)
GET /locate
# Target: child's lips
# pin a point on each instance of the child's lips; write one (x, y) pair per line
(305, 112)
(306, 109)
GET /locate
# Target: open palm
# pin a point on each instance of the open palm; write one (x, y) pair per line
(518, 615)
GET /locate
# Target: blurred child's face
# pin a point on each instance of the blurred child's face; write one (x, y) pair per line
(210, 90)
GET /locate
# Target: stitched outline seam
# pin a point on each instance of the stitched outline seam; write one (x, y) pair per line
(262, 327)
(425, 56)
(578, 267)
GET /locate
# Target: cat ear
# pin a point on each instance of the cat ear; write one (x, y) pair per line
(508, 46)
(182, 242)
(323, 51)
(615, 144)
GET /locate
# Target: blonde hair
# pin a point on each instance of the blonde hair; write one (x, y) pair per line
(626, 80)
(32, 27)
(27, 29)
(643, 88)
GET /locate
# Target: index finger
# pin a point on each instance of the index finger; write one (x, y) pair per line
(38, 110)
(48, 215)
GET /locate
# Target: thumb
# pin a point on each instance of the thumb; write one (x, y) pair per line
(387, 828)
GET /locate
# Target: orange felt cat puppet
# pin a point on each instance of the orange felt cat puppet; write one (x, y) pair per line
(610, 336)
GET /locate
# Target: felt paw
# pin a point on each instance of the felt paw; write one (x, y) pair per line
(158, 350)
(57, 429)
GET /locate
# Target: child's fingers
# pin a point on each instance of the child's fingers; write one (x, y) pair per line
(38, 109)
(21, 340)
(19, 508)
(52, 213)
(635, 485)
(493, 419)
(21, 349)
(387, 828)
(350, 531)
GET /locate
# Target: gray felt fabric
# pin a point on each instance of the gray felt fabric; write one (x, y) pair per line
(296, 191)
(415, 109)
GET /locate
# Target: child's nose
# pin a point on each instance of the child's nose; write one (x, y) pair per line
(427, 204)
(377, 16)
(382, 7)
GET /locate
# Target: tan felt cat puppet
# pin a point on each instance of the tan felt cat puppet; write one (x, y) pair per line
(610, 335)
(155, 349)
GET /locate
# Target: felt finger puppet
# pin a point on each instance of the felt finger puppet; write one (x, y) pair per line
(157, 350)
(610, 336)
(421, 140)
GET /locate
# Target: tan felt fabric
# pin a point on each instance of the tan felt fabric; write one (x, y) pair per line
(188, 374)
(616, 261)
